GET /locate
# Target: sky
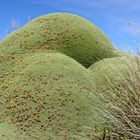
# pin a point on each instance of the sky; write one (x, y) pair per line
(118, 19)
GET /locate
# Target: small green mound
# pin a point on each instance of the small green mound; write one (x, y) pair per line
(107, 72)
(50, 94)
(65, 33)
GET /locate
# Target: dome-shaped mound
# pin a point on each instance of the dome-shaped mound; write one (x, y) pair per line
(65, 33)
(49, 93)
(108, 72)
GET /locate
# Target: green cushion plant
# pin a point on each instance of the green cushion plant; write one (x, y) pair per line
(65, 33)
(46, 90)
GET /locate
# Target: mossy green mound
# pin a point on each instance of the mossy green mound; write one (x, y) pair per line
(50, 94)
(108, 72)
(46, 92)
(65, 33)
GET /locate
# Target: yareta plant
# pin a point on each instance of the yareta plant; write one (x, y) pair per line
(65, 33)
(117, 82)
(106, 72)
(9, 132)
(46, 90)
(50, 94)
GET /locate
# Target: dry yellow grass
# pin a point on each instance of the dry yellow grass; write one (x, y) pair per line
(124, 115)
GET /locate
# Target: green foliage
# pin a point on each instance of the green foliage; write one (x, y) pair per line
(106, 72)
(46, 91)
(65, 33)
(49, 92)
(9, 132)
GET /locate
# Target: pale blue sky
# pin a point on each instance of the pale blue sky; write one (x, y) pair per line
(111, 16)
